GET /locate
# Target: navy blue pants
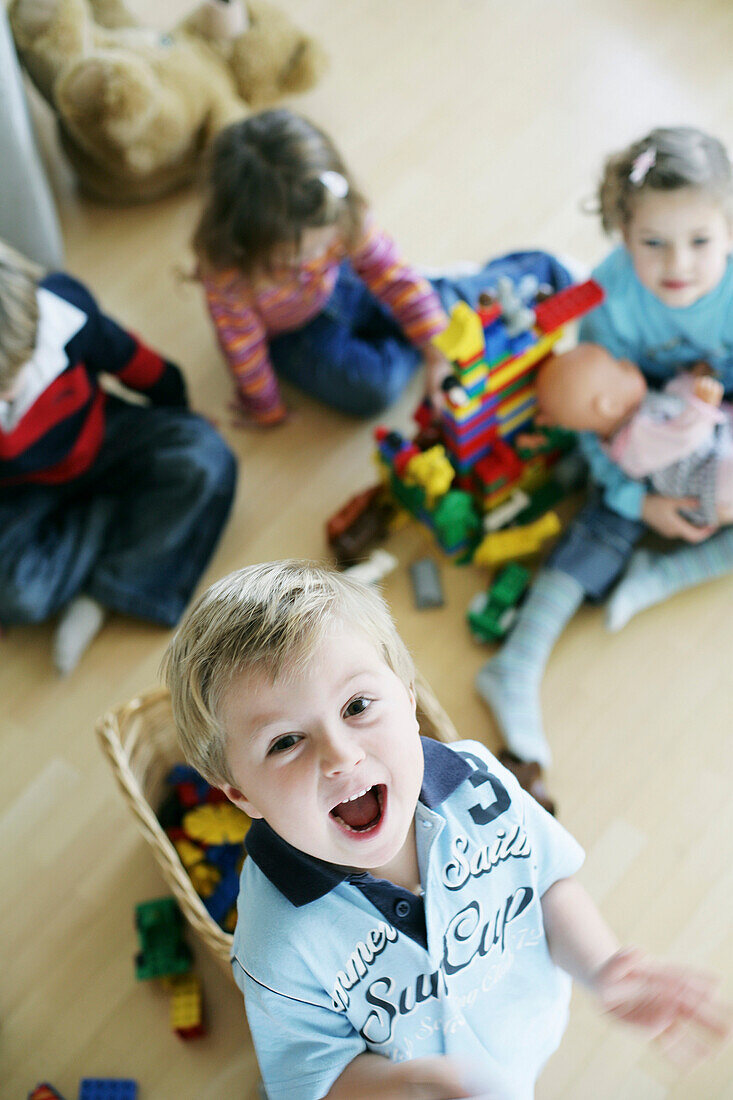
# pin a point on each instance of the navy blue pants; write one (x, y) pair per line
(135, 531)
(355, 358)
(596, 548)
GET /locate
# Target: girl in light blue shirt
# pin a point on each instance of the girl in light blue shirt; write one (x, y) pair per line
(668, 306)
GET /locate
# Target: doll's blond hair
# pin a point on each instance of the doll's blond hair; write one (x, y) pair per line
(267, 618)
(666, 159)
(18, 312)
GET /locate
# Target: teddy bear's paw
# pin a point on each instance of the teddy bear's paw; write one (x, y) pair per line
(112, 97)
(264, 70)
(66, 22)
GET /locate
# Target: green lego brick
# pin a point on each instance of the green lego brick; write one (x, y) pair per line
(163, 951)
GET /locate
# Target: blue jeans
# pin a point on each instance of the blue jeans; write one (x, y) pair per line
(135, 531)
(596, 548)
(354, 356)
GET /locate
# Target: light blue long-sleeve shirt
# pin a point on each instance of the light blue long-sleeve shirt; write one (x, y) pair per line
(633, 324)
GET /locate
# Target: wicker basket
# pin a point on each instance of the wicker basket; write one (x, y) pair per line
(140, 742)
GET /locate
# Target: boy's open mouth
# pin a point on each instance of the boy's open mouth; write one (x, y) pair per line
(361, 813)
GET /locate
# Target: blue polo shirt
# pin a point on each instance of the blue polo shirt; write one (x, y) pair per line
(333, 964)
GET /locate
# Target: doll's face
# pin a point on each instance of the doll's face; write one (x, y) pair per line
(679, 242)
(586, 389)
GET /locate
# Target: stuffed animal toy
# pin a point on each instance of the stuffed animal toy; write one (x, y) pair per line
(137, 107)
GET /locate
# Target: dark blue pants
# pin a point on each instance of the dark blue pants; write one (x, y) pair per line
(135, 531)
(596, 548)
(354, 357)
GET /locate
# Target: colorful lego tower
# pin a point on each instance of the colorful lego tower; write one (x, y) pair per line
(496, 352)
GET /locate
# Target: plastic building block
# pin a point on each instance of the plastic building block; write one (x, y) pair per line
(568, 304)
(186, 1011)
(504, 513)
(163, 951)
(426, 586)
(358, 525)
(516, 542)
(495, 352)
(432, 470)
(378, 565)
(464, 336)
(44, 1091)
(217, 823)
(107, 1088)
(509, 585)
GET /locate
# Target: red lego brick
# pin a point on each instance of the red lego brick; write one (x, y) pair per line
(403, 457)
(188, 794)
(568, 304)
(489, 314)
(44, 1092)
(353, 508)
(501, 466)
(423, 415)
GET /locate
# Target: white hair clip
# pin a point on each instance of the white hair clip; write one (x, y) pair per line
(334, 182)
(641, 166)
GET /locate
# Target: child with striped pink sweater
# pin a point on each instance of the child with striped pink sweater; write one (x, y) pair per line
(303, 285)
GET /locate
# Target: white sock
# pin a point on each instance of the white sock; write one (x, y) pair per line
(80, 623)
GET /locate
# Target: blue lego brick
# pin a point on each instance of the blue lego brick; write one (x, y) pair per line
(108, 1088)
(523, 340)
(224, 896)
(498, 344)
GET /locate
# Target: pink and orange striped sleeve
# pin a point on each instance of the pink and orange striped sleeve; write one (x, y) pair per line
(243, 339)
(398, 285)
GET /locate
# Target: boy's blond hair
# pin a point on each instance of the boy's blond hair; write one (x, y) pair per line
(19, 280)
(267, 617)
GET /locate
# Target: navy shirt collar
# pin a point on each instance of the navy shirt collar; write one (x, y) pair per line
(303, 878)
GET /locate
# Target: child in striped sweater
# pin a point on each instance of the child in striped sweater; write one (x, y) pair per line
(303, 285)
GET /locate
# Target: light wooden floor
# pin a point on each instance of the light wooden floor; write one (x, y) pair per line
(475, 127)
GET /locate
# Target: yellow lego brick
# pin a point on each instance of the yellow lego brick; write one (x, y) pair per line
(464, 336)
(216, 823)
(204, 878)
(188, 852)
(432, 470)
(516, 542)
(186, 1002)
(501, 377)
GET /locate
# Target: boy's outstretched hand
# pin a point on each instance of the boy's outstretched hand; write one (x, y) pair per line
(675, 1004)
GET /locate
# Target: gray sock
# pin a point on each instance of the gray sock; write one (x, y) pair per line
(80, 623)
(510, 681)
(652, 578)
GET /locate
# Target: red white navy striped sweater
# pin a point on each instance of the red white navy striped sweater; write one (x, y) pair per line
(59, 435)
(246, 312)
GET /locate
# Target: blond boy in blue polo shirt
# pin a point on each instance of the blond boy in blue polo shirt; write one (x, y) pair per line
(408, 924)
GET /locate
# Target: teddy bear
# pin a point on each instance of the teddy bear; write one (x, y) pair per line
(136, 107)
